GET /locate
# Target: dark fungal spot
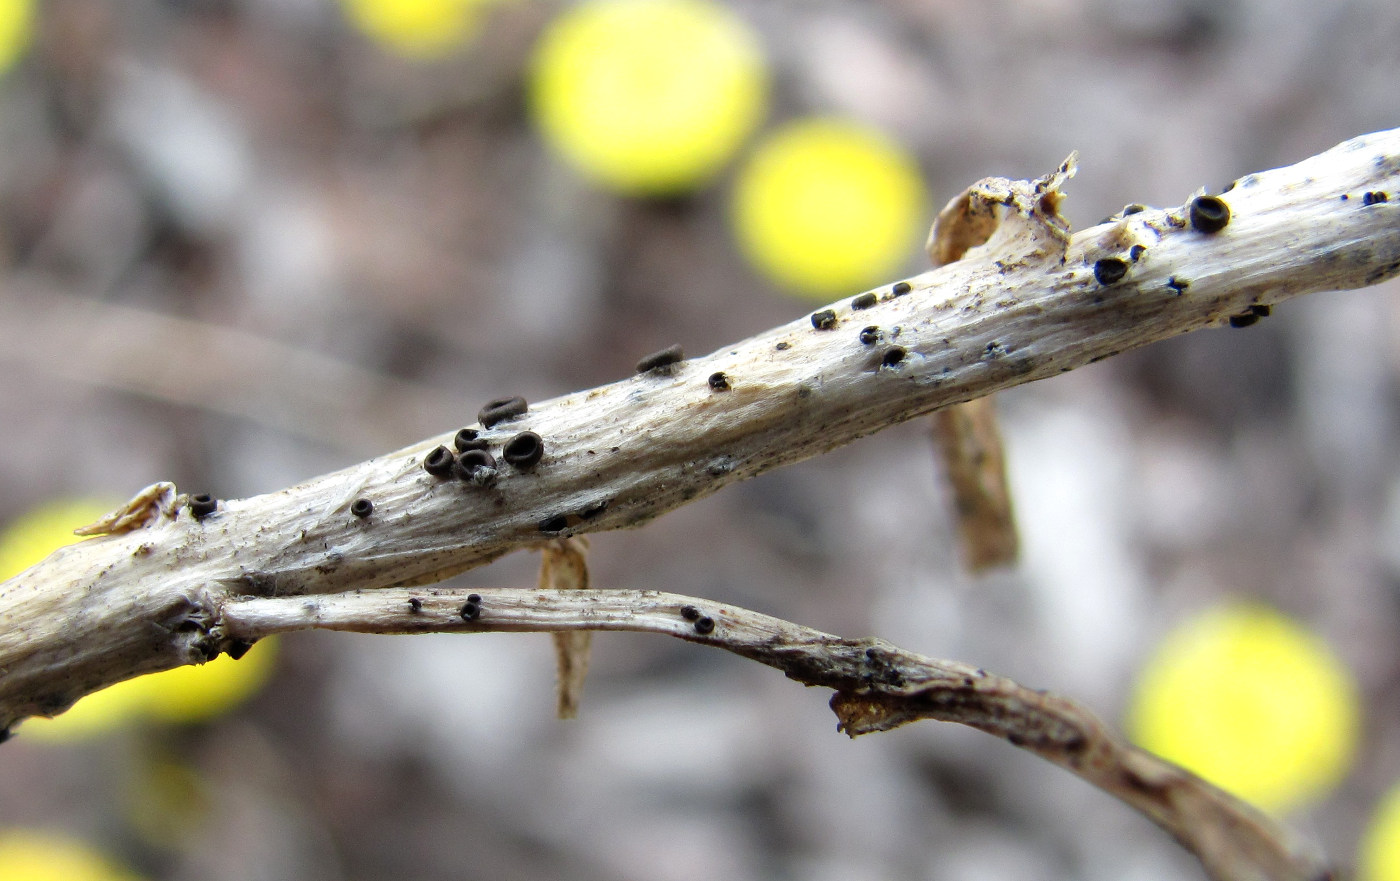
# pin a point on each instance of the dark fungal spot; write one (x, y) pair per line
(501, 410)
(470, 610)
(362, 508)
(870, 336)
(439, 462)
(203, 505)
(901, 288)
(474, 598)
(894, 355)
(594, 510)
(1228, 187)
(1177, 284)
(523, 450)
(415, 605)
(1134, 208)
(1209, 214)
(690, 613)
(664, 358)
(1263, 310)
(824, 320)
(705, 626)
(1135, 252)
(782, 347)
(864, 301)
(237, 648)
(1345, 197)
(1109, 270)
(468, 439)
(557, 523)
(1243, 320)
(476, 466)
(719, 382)
(1375, 198)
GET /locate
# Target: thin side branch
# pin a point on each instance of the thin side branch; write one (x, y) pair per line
(878, 686)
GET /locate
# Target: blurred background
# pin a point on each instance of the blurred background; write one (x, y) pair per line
(245, 242)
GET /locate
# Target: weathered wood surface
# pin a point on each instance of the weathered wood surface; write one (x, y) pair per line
(164, 588)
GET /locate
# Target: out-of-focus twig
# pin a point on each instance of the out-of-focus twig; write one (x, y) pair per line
(564, 566)
(220, 369)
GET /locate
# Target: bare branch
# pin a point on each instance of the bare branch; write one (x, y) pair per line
(1029, 303)
(878, 686)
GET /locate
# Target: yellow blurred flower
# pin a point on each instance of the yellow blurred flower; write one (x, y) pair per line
(420, 29)
(648, 97)
(1380, 846)
(185, 694)
(43, 530)
(29, 855)
(827, 206)
(1251, 701)
(16, 29)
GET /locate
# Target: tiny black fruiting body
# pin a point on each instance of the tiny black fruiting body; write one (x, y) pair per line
(362, 508)
(468, 439)
(1133, 208)
(690, 613)
(893, 356)
(782, 347)
(824, 320)
(470, 610)
(476, 466)
(1135, 252)
(864, 301)
(474, 598)
(1375, 198)
(1243, 320)
(870, 335)
(1209, 214)
(1263, 310)
(557, 523)
(501, 410)
(203, 505)
(415, 605)
(705, 626)
(664, 358)
(439, 462)
(1109, 270)
(237, 648)
(719, 382)
(523, 450)
(901, 288)
(1177, 284)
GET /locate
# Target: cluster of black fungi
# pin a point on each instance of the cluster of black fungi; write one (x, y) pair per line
(472, 461)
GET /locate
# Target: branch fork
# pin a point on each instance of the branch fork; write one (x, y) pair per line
(170, 580)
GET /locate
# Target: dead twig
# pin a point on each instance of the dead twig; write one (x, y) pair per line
(878, 687)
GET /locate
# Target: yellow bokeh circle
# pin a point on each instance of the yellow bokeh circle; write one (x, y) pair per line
(421, 29)
(30, 855)
(182, 695)
(1251, 701)
(16, 29)
(828, 206)
(648, 97)
(185, 694)
(1380, 846)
